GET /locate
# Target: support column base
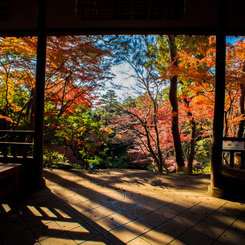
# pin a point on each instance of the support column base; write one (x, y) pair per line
(215, 191)
(40, 184)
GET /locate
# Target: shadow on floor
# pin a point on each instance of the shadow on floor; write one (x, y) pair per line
(79, 206)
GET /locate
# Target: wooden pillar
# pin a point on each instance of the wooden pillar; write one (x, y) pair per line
(216, 188)
(37, 175)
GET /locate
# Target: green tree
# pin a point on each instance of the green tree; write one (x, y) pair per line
(81, 131)
(140, 53)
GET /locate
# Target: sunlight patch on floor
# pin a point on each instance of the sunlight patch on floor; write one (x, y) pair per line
(34, 211)
(62, 213)
(6, 207)
(48, 212)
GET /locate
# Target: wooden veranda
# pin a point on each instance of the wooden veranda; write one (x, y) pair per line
(42, 18)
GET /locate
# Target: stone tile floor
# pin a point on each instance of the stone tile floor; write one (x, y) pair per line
(121, 207)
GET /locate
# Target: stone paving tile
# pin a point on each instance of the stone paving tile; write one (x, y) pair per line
(120, 235)
(20, 238)
(121, 218)
(107, 210)
(63, 239)
(229, 237)
(41, 193)
(25, 211)
(69, 225)
(151, 205)
(242, 217)
(101, 240)
(138, 241)
(5, 208)
(193, 237)
(235, 206)
(82, 233)
(186, 220)
(167, 212)
(179, 206)
(231, 210)
(217, 243)
(80, 195)
(33, 210)
(65, 212)
(103, 225)
(199, 213)
(87, 194)
(13, 227)
(33, 221)
(55, 203)
(137, 197)
(63, 193)
(73, 200)
(144, 214)
(138, 211)
(157, 237)
(216, 219)
(8, 218)
(162, 199)
(125, 204)
(154, 219)
(211, 203)
(45, 200)
(112, 196)
(138, 227)
(238, 227)
(91, 215)
(172, 228)
(48, 212)
(177, 242)
(95, 203)
(187, 200)
(46, 230)
(209, 230)
(80, 207)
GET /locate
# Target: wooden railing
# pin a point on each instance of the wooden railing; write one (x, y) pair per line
(233, 148)
(16, 146)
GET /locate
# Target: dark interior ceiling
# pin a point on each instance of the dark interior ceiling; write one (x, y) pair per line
(70, 17)
(129, 9)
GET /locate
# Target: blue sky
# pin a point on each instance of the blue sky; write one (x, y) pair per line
(231, 39)
(124, 84)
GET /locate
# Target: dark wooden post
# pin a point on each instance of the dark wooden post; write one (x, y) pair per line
(216, 188)
(37, 175)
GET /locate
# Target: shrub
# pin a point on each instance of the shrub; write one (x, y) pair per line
(51, 158)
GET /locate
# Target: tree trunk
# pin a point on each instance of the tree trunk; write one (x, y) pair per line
(174, 103)
(153, 154)
(30, 109)
(192, 151)
(192, 141)
(241, 104)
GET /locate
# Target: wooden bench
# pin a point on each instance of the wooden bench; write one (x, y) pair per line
(9, 172)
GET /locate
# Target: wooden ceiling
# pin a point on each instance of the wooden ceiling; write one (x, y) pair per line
(71, 17)
(129, 9)
(5, 7)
